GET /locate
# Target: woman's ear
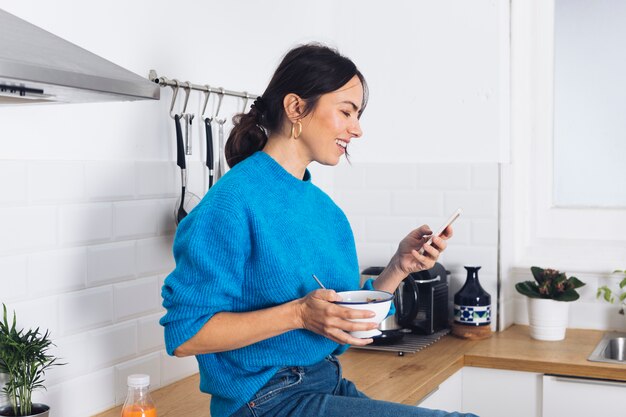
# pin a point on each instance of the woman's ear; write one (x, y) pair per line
(294, 107)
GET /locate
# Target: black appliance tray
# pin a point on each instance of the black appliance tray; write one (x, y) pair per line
(410, 343)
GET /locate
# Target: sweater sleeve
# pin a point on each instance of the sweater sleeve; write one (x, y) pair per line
(210, 249)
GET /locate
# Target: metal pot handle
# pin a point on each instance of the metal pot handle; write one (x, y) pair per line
(426, 281)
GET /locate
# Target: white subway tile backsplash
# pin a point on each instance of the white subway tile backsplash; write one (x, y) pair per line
(86, 309)
(55, 181)
(150, 333)
(137, 218)
(485, 176)
(136, 297)
(357, 224)
(156, 178)
(374, 254)
(107, 180)
(444, 176)
(13, 191)
(70, 351)
(417, 203)
(112, 329)
(364, 202)
(52, 396)
(110, 262)
(388, 229)
(28, 227)
(475, 204)
(13, 277)
(594, 315)
(149, 364)
(58, 270)
(166, 223)
(84, 223)
(155, 255)
(112, 344)
(484, 232)
(174, 369)
(390, 177)
(483, 256)
(37, 312)
(89, 394)
(349, 177)
(461, 231)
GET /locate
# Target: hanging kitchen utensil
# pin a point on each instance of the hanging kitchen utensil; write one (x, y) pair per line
(221, 158)
(221, 166)
(188, 130)
(187, 200)
(182, 164)
(209, 138)
(188, 117)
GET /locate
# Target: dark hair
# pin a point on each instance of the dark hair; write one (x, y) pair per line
(309, 71)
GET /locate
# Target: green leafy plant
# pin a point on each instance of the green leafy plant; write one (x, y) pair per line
(609, 295)
(550, 284)
(24, 358)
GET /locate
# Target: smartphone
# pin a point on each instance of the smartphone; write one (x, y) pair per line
(450, 220)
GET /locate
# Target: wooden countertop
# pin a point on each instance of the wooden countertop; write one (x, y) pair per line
(407, 379)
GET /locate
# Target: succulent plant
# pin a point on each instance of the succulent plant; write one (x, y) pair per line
(550, 284)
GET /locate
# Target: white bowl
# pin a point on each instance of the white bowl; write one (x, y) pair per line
(362, 300)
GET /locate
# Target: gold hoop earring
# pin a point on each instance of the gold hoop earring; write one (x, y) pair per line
(295, 133)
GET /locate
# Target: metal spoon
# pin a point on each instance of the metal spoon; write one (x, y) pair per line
(318, 282)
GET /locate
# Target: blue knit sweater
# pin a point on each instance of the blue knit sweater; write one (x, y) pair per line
(253, 242)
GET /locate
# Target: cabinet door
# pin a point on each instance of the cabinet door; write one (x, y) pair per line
(579, 397)
(447, 396)
(497, 393)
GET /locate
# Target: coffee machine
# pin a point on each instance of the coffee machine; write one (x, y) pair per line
(421, 302)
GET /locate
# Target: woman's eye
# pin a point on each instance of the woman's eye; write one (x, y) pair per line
(345, 113)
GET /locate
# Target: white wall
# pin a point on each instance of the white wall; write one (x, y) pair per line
(87, 190)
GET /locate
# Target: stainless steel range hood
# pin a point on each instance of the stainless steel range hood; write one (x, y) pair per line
(37, 66)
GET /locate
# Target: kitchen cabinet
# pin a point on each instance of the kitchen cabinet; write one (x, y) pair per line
(582, 397)
(497, 393)
(447, 396)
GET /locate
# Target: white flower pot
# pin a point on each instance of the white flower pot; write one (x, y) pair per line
(548, 319)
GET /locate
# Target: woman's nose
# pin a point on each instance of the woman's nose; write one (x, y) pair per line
(355, 129)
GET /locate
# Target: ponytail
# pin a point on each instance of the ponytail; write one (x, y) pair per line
(247, 135)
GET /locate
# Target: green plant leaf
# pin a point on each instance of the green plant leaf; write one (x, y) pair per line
(622, 296)
(606, 293)
(622, 283)
(537, 273)
(577, 283)
(529, 289)
(569, 295)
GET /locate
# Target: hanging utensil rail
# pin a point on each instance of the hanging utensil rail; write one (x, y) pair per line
(166, 82)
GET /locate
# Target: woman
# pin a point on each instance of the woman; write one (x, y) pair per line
(242, 299)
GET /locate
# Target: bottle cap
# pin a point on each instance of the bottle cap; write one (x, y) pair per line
(138, 380)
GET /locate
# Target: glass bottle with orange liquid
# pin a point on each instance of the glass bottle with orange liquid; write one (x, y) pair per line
(138, 401)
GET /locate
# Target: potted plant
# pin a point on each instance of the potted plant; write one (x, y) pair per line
(609, 295)
(548, 302)
(24, 359)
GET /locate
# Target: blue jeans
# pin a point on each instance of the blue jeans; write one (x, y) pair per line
(319, 390)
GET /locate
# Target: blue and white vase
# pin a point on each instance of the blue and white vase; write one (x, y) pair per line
(472, 304)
